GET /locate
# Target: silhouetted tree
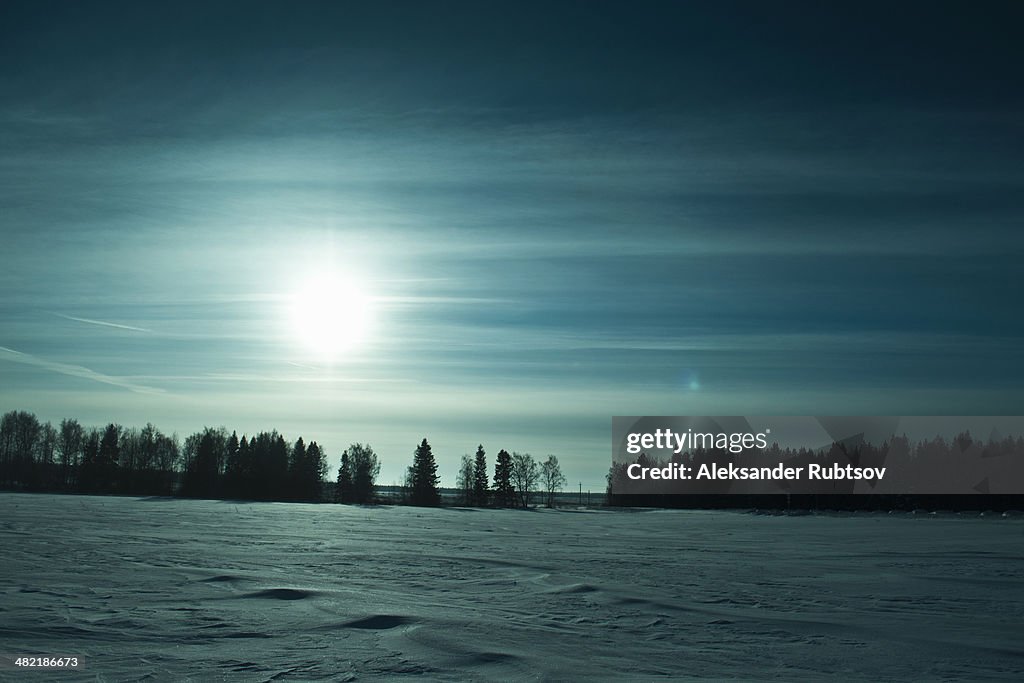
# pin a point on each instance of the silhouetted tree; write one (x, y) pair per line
(525, 475)
(423, 479)
(147, 438)
(277, 468)
(244, 476)
(44, 473)
(315, 470)
(615, 474)
(69, 449)
(89, 472)
(306, 470)
(19, 436)
(156, 461)
(344, 490)
(504, 492)
(296, 470)
(233, 477)
(129, 459)
(203, 478)
(480, 484)
(269, 457)
(464, 480)
(365, 468)
(168, 459)
(552, 478)
(108, 458)
(7, 427)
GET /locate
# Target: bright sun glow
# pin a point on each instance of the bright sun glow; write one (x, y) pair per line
(330, 316)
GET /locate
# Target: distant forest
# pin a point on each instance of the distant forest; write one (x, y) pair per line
(36, 456)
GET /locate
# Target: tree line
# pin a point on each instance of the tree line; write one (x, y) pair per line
(517, 479)
(36, 456)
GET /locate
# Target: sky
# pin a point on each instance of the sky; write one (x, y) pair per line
(538, 216)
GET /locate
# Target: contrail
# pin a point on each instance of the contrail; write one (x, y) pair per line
(74, 371)
(102, 323)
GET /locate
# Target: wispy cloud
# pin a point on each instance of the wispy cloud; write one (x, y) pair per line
(234, 378)
(102, 323)
(74, 371)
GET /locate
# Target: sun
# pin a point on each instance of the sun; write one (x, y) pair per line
(330, 316)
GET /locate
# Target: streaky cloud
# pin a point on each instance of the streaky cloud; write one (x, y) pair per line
(102, 323)
(249, 377)
(74, 371)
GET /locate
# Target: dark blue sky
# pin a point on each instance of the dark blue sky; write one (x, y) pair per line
(555, 212)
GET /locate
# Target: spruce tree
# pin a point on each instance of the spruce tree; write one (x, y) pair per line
(504, 492)
(423, 479)
(245, 472)
(345, 479)
(316, 468)
(480, 484)
(277, 472)
(232, 466)
(296, 467)
(202, 478)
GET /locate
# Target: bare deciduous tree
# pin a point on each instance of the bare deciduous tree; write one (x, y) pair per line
(552, 478)
(525, 477)
(464, 481)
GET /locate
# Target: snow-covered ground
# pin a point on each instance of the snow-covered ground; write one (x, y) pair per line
(175, 589)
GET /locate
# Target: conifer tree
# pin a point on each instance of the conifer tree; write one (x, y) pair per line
(423, 479)
(504, 492)
(202, 477)
(243, 485)
(344, 490)
(480, 484)
(314, 471)
(232, 465)
(306, 471)
(277, 470)
(297, 470)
